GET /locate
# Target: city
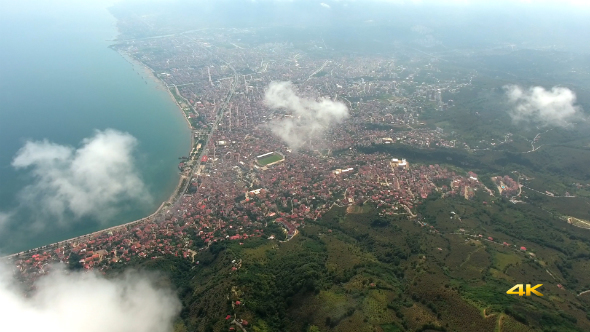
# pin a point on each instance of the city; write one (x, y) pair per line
(258, 166)
(225, 195)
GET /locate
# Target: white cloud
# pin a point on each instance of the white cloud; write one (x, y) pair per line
(311, 118)
(325, 5)
(555, 107)
(87, 302)
(88, 181)
(4, 218)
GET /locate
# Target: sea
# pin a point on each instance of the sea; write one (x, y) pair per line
(60, 81)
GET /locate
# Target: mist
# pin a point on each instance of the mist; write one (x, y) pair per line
(547, 108)
(310, 118)
(69, 183)
(76, 301)
(454, 23)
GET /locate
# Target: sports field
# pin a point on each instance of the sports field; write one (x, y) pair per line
(269, 159)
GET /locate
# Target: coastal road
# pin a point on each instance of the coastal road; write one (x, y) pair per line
(220, 113)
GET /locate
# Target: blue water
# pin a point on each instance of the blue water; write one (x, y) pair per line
(60, 81)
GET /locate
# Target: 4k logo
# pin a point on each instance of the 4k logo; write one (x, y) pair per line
(520, 290)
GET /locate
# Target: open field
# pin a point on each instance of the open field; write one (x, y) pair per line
(266, 160)
(578, 222)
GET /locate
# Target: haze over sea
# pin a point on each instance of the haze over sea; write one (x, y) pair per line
(59, 81)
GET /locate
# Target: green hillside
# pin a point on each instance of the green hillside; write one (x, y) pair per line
(364, 272)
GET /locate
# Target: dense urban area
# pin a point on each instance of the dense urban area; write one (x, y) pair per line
(227, 194)
(243, 180)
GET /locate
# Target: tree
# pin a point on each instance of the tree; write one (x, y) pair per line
(74, 261)
(180, 327)
(260, 326)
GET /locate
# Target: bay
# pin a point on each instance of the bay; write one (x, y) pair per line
(60, 81)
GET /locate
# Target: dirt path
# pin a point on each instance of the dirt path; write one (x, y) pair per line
(500, 322)
(578, 222)
(235, 322)
(487, 316)
(469, 256)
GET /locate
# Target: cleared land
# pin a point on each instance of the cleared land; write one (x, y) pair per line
(578, 222)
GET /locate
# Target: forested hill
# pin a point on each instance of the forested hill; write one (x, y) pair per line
(355, 270)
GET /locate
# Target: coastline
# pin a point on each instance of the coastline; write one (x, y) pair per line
(151, 74)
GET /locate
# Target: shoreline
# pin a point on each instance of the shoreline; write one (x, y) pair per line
(151, 74)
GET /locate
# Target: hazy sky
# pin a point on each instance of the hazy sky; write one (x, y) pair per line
(576, 8)
(31, 5)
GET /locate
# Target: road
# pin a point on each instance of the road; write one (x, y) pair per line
(542, 193)
(220, 114)
(318, 70)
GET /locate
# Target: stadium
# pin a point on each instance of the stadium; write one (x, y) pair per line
(270, 158)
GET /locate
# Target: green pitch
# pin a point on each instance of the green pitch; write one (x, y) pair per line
(269, 159)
